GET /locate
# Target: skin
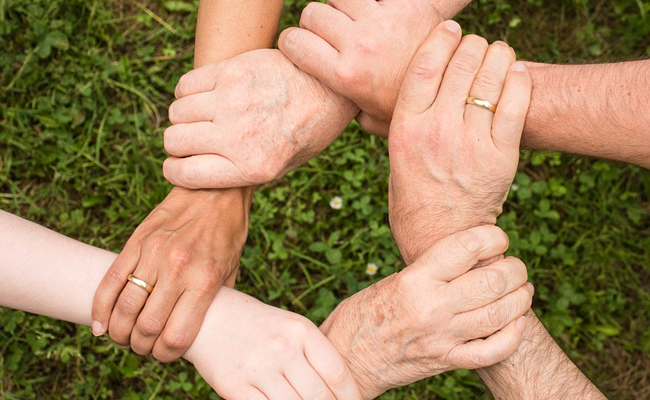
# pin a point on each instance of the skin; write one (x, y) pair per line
(163, 249)
(244, 348)
(539, 369)
(268, 353)
(252, 105)
(593, 110)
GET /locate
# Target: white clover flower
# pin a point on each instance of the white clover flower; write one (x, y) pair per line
(336, 203)
(371, 269)
(514, 187)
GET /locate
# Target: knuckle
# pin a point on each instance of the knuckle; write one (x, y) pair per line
(489, 80)
(425, 67)
(348, 75)
(494, 282)
(115, 277)
(510, 112)
(495, 316)
(176, 341)
(518, 267)
(337, 377)
(128, 305)
(464, 64)
(118, 339)
(149, 326)
(367, 45)
(180, 257)
(469, 242)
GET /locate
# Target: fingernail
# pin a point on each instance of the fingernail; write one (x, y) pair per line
(452, 26)
(98, 328)
(521, 323)
(518, 67)
(530, 288)
(501, 43)
(122, 347)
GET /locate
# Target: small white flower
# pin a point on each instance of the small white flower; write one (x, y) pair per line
(514, 187)
(336, 203)
(371, 269)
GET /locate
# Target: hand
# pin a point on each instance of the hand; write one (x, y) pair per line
(186, 248)
(361, 49)
(248, 350)
(435, 316)
(249, 120)
(451, 163)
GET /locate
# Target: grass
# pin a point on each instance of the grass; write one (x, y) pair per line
(84, 86)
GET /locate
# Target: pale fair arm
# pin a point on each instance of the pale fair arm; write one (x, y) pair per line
(594, 110)
(43, 272)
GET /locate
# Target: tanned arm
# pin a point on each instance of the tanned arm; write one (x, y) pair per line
(594, 110)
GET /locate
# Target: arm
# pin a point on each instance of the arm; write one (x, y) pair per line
(263, 352)
(225, 29)
(190, 245)
(440, 145)
(539, 369)
(595, 110)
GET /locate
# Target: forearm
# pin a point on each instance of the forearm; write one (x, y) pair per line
(594, 110)
(225, 28)
(538, 370)
(43, 272)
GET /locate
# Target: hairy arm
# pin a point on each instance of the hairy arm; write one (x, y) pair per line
(538, 370)
(595, 110)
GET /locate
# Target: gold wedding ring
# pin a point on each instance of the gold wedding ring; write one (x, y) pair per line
(482, 103)
(139, 282)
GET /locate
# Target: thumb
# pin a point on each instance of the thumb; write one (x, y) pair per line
(456, 254)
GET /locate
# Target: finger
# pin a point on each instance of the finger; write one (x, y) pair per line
(491, 318)
(306, 382)
(486, 284)
(208, 171)
(426, 71)
(327, 22)
(193, 108)
(461, 72)
(496, 348)
(312, 54)
(373, 125)
(183, 140)
(112, 285)
(129, 305)
(183, 324)
(199, 80)
(456, 254)
(327, 362)
(278, 388)
(354, 8)
(488, 86)
(511, 113)
(151, 321)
